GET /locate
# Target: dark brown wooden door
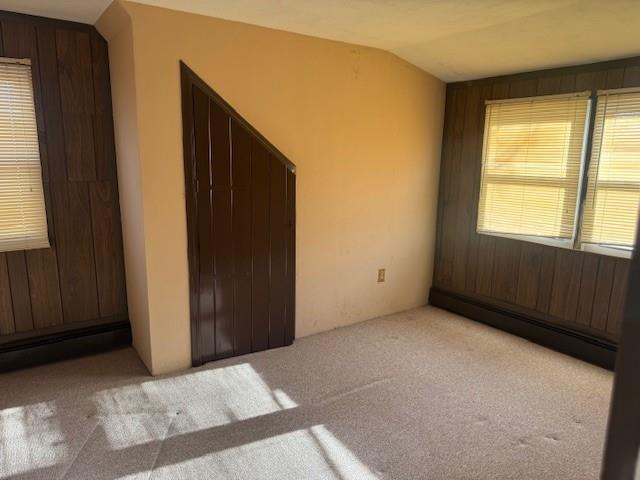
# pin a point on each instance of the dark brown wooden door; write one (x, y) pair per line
(240, 198)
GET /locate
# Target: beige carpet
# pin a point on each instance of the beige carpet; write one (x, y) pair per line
(419, 395)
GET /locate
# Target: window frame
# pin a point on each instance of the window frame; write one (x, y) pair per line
(602, 249)
(37, 109)
(566, 243)
(574, 242)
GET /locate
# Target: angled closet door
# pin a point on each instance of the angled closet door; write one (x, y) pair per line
(240, 199)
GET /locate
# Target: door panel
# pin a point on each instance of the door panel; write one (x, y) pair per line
(204, 230)
(241, 225)
(223, 260)
(278, 247)
(260, 248)
(291, 259)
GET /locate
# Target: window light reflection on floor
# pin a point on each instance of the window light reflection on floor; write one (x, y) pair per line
(204, 399)
(31, 438)
(223, 423)
(307, 453)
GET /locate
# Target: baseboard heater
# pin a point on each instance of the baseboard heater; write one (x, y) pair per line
(577, 344)
(58, 346)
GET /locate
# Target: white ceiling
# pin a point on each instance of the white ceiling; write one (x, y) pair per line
(452, 39)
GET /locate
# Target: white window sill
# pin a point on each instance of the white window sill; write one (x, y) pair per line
(552, 242)
(604, 250)
(567, 244)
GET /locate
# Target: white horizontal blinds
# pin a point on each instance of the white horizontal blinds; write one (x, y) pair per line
(531, 166)
(613, 189)
(23, 223)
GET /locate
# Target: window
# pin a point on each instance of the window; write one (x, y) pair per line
(613, 191)
(537, 183)
(531, 166)
(23, 220)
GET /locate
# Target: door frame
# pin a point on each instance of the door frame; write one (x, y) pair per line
(621, 454)
(189, 79)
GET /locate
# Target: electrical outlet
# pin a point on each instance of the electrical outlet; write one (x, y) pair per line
(381, 275)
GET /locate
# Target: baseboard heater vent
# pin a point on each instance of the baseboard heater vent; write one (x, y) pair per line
(58, 346)
(577, 344)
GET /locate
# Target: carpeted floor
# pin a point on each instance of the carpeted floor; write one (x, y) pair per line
(423, 394)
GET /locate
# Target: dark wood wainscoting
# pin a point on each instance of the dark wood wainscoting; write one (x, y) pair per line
(240, 198)
(79, 281)
(578, 291)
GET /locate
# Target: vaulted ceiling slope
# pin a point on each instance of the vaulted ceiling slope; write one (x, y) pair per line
(452, 39)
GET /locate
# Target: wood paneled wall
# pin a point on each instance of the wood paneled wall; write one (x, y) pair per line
(579, 290)
(80, 279)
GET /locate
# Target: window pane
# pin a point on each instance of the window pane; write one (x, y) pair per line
(23, 223)
(509, 214)
(613, 189)
(531, 166)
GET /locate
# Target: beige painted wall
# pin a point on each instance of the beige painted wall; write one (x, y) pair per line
(117, 27)
(362, 126)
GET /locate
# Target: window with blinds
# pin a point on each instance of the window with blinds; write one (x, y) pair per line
(531, 167)
(23, 220)
(610, 211)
